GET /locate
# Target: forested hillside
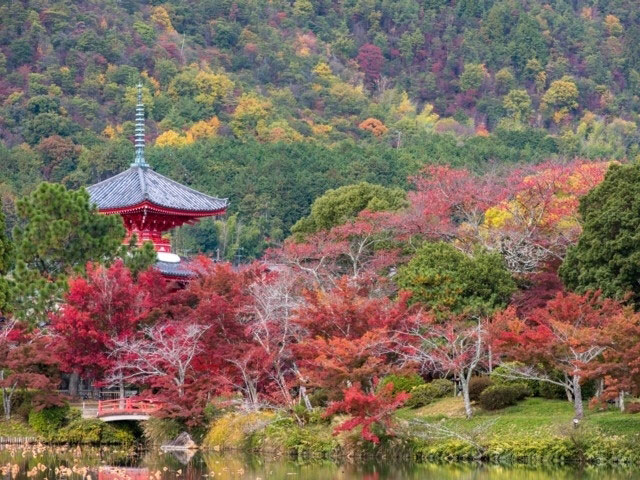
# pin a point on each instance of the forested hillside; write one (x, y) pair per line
(271, 103)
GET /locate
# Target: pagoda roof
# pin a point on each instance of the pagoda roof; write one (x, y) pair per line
(140, 184)
(171, 269)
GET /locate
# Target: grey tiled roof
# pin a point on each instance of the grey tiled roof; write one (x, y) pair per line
(180, 269)
(138, 184)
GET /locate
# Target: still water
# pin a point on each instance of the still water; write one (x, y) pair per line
(115, 464)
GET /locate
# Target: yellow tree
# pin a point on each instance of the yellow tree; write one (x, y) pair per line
(212, 87)
(250, 110)
(203, 129)
(160, 17)
(171, 138)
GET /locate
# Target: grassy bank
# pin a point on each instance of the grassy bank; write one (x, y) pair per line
(534, 431)
(64, 425)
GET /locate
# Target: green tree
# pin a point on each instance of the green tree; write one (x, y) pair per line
(60, 231)
(518, 104)
(337, 206)
(607, 255)
(561, 94)
(5, 261)
(473, 76)
(447, 280)
(528, 42)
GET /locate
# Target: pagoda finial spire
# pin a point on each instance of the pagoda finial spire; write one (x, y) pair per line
(139, 136)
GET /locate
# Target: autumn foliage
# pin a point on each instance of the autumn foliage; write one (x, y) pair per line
(368, 410)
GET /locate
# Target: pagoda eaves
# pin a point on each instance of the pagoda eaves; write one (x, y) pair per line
(151, 204)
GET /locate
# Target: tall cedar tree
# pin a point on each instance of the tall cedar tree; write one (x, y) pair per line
(607, 255)
(5, 262)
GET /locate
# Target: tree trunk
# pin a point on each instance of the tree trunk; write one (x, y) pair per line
(599, 388)
(567, 389)
(465, 396)
(490, 353)
(74, 381)
(6, 404)
(621, 400)
(577, 398)
(121, 392)
(6, 399)
(305, 397)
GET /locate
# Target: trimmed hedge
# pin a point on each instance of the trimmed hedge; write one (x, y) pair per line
(501, 396)
(402, 383)
(477, 385)
(498, 377)
(427, 393)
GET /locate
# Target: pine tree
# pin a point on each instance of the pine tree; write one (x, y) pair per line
(60, 231)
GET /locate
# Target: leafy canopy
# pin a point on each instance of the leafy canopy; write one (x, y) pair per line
(607, 255)
(338, 206)
(60, 231)
(446, 279)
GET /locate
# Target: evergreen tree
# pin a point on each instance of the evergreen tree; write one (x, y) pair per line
(607, 255)
(60, 232)
(447, 280)
(338, 206)
(5, 262)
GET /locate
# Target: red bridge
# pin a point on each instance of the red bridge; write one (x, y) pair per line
(132, 408)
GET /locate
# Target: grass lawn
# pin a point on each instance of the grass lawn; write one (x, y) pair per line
(532, 417)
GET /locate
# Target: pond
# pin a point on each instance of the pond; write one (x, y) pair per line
(40, 462)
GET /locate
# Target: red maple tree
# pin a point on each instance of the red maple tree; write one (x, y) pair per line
(368, 410)
(105, 306)
(568, 335)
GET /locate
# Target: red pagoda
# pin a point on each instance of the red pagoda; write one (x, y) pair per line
(151, 204)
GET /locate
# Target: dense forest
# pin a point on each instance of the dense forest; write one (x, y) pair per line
(272, 103)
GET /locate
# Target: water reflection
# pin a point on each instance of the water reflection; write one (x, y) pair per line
(40, 463)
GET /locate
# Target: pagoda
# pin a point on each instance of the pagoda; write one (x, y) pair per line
(151, 204)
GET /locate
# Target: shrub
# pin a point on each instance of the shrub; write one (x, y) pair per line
(402, 383)
(501, 396)
(498, 377)
(427, 393)
(551, 391)
(477, 385)
(48, 420)
(124, 433)
(632, 408)
(22, 404)
(233, 430)
(160, 430)
(81, 431)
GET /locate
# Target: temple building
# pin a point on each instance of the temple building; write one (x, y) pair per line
(151, 204)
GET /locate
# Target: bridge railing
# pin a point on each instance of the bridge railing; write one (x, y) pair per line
(131, 406)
